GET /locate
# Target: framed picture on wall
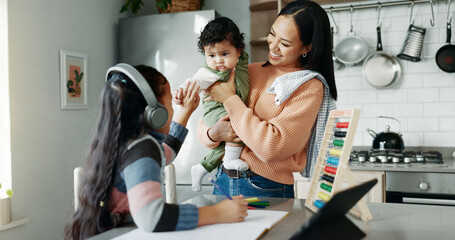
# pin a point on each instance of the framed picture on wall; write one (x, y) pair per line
(73, 80)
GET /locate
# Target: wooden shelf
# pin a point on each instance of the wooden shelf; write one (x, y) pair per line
(259, 42)
(263, 5)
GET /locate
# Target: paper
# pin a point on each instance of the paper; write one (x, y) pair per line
(255, 224)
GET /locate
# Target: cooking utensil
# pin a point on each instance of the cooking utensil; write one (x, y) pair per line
(387, 139)
(381, 70)
(445, 57)
(412, 47)
(336, 63)
(352, 49)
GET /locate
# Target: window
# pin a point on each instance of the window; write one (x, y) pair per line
(5, 126)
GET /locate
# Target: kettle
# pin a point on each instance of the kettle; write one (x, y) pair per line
(387, 140)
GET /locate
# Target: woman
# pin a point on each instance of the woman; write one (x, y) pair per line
(289, 100)
(131, 143)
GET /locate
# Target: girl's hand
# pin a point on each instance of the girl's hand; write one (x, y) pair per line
(222, 131)
(189, 97)
(234, 210)
(220, 91)
(226, 211)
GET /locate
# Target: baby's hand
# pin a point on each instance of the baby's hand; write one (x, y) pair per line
(177, 96)
(189, 97)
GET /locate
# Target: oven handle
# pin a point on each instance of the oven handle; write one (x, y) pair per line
(429, 201)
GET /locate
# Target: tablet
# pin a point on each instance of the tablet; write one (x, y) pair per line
(331, 217)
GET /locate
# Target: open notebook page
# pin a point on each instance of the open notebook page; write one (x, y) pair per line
(256, 223)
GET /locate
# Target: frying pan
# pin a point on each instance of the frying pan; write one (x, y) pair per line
(381, 70)
(445, 57)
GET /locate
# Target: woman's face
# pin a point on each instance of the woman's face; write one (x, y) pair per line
(166, 101)
(285, 46)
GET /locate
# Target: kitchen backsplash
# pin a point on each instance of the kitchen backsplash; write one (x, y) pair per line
(424, 98)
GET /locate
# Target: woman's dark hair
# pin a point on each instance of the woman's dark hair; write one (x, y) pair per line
(314, 28)
(218, 30)
(120, 119)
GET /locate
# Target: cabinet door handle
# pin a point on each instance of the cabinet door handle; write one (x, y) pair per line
(429, 201)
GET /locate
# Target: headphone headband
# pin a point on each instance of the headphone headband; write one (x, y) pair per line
(138, 79)
(155, 113)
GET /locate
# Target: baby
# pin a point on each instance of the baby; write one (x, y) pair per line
(222, 45)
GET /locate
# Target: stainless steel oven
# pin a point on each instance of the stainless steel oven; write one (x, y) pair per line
(415, 177)
(420, 188)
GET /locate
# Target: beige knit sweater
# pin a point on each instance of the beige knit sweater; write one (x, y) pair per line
(275, 136)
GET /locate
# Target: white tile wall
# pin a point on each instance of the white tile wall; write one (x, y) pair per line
(424, 99)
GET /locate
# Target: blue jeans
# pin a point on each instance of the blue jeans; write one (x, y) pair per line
(256, 186)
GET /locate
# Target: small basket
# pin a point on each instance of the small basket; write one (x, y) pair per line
(182, 6)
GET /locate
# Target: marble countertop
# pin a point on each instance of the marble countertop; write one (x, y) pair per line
(447, 167)
(390, 220)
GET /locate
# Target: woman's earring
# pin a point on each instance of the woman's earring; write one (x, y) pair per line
(304, 55)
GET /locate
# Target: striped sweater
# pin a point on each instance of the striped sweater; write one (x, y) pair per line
(137, 185)
(276, 136)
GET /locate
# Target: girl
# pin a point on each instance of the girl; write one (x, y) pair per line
(123, 172)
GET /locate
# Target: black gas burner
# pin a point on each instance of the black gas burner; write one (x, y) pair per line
(396, 156)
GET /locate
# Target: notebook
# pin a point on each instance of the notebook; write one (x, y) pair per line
(330, 222)
(256, 223)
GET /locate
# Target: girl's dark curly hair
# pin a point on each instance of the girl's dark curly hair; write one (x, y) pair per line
(218, 30)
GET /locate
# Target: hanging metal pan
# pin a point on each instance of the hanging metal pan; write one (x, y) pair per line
(352, 49)
(381, 70)
(445, 57)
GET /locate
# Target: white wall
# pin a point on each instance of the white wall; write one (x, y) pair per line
(47, 143)
(424, 99)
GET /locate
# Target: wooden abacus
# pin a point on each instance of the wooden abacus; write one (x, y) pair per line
(332, 168)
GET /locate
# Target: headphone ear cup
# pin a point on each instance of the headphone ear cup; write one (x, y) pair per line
(156, 117)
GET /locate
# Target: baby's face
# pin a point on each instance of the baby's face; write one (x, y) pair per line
(222, 56)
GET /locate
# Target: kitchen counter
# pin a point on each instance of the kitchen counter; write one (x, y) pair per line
(390, 220)
(447, 167)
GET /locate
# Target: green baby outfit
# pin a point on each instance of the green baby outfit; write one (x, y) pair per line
(213, 111)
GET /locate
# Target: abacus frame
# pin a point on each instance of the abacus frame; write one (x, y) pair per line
(343, 172)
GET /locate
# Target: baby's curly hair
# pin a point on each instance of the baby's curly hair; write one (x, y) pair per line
(218, 30)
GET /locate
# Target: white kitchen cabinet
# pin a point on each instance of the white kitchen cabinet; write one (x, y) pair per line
(377, 193)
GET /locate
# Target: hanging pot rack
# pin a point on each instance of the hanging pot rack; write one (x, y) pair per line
(380, 4)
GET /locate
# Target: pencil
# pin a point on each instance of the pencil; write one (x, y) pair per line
(256, 206)
(219, 188)
(259, 203)
(252, 199)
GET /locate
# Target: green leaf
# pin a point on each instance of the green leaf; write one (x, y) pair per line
(9, 192)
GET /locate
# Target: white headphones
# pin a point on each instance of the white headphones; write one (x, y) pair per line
(155, 113)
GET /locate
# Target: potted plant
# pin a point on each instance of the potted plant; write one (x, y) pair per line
(165, 6)
(5, 205)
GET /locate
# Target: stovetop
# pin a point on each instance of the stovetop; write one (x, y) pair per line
(397, 158)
